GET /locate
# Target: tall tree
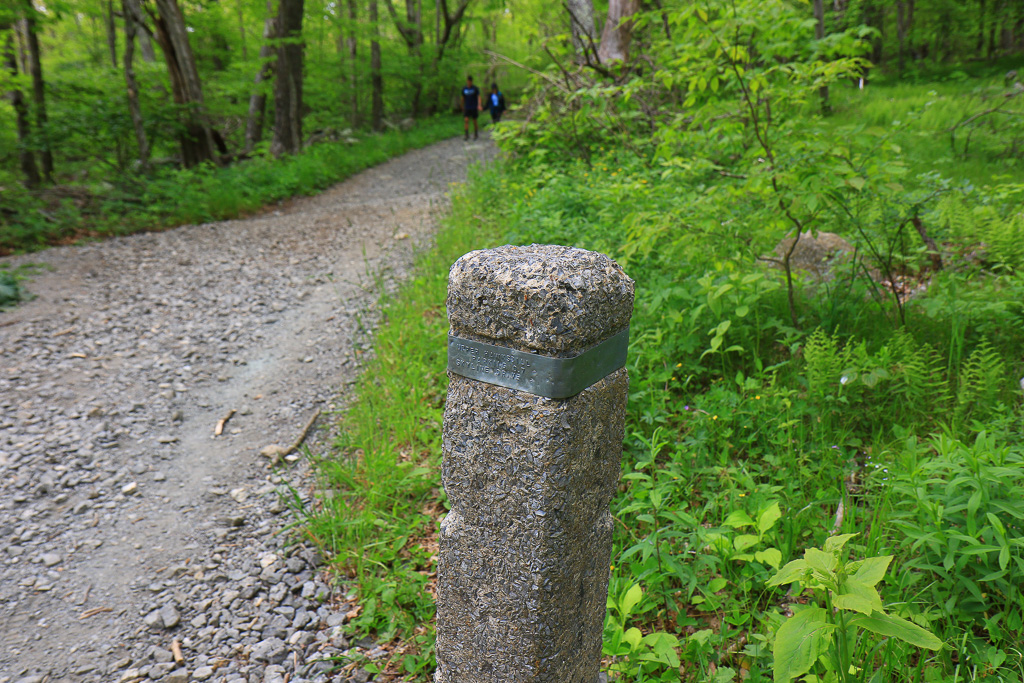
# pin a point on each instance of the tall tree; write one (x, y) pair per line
(258, 99)
(34, 64)
(618, 31)
(288, 79)
(131, 22)
(819, 35)
(196, 138)
(353, 67)
(581, 26)
(411, 30)
(376, 77)
(26, 159)
(111, 25)
(142, 33)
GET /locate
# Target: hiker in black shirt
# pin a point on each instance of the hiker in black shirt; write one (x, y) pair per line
(470, 105)
(495, 103)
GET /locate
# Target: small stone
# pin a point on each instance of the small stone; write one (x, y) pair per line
(169, 616)
(129, 489)
(168, 438)
(51, 559)
(239, 495)
(177, 676)
(270, 650)
(202, 673)
(131, 675)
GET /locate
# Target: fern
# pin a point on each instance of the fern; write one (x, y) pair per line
(981, 383)
(918, 374)
(825, 360)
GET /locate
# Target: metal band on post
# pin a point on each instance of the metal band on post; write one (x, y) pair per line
(533, 373)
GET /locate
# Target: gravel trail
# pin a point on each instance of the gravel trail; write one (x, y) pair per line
(135, 544)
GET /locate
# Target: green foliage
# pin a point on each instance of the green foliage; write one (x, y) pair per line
(827, 634)
(958, 507)
(10, 290)
(205, 193)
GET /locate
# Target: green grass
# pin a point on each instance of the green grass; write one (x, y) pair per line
(31, 221)
(379, 521)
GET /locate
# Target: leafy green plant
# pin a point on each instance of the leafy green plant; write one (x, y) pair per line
(642, 658)
(826, 634)
(10, 290)
(958, 506)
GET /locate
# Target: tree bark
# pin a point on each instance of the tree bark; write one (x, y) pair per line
(241, 31)
(288, 79)
(141, 32)
(411, 30)
(376, 77)
(26, 159)
(196, 138)
(582, 27)
(618, 31)
(111, 33)
(353, 54)
(819, 34)
(258, 99)
(134, 108)
(35, 69)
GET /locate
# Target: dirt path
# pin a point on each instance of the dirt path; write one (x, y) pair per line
(126, 525)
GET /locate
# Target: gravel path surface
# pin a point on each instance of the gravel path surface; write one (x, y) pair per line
(135, 544)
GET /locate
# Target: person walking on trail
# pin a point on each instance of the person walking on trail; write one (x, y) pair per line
(495, 103)
(470, 106)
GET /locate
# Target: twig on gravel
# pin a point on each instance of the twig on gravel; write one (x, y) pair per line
(94, 611)
(304, 433)
(223, 421)
(179, 658)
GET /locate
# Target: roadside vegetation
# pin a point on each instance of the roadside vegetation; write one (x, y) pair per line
(822, 470)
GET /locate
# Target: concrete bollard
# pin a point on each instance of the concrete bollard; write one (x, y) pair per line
(533, 430)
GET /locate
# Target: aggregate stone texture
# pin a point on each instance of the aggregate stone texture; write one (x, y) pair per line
(523, 566)
(134, 543)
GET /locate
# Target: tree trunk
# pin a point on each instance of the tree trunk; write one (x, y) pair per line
(618, 31)
(241, 31)
(819, 34)
(376, 77)
(411, 30)
(288, 79)
(134, 108)
(258, 99)
(353, 54)
(35, 68)
(111, 34)
(901, 35)
(26, 158)
(141, 32)
(581, 24)
(196, 138)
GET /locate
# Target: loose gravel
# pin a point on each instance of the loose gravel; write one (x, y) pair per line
(142, 534)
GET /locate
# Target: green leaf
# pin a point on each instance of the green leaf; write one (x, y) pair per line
(822, 561)
(859, 597)
(872, 570)
(744, 541)
(793, 571)
(834, 544)
(770, 556)
(631, 598)
(633, 637)
(737, 519)
(799, 642)
(856, 182)
(768, 518)
(895, 627)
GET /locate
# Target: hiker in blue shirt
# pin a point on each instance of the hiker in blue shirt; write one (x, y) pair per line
(470, 105)
(495, 103)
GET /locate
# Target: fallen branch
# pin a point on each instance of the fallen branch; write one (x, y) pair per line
(94, 611)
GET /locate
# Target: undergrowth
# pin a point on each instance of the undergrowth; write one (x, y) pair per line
(173, 196)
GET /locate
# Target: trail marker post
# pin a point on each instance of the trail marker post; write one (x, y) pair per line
(533, 431)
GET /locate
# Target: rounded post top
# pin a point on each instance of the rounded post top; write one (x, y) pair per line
(547, 299)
